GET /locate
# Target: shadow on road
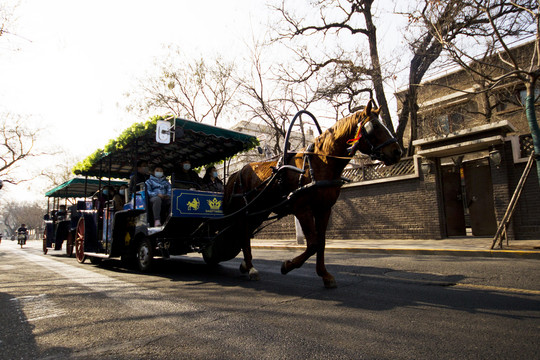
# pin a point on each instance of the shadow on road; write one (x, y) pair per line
(359, 287)
(17, 340)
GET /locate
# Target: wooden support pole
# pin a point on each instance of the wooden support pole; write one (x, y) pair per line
(501, 231)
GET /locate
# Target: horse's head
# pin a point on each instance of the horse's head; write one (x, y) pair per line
(374, 138)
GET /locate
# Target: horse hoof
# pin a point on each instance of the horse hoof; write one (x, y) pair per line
(254, 274)
(243, 267)
(284, 265)
(330, 283)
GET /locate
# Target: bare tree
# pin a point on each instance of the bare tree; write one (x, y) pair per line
(198, 90)
(348, 73)
(269, 98)
(6, 18)
(61, 171)
(436, 23)
(16, 145)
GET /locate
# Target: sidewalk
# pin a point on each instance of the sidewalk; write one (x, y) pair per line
(479, 247)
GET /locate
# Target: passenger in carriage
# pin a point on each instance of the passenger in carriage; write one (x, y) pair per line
(100, 198)
(119, 198)
(185, 177)
(210, 181)
(159, 193)
(62, 213)
(140, 175)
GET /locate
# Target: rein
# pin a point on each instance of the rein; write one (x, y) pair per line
(326, 155)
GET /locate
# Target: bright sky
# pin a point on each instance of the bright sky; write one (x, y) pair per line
(71, 62)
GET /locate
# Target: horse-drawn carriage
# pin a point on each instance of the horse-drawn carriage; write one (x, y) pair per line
(131, 233)
(305, 183)
(68, 199)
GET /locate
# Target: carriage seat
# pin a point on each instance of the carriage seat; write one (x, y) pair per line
(180, 184)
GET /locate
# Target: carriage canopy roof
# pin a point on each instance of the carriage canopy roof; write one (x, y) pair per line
(199, 143)
(79, 188)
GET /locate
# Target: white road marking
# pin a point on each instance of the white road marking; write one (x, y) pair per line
(37, 307)
(144, 301)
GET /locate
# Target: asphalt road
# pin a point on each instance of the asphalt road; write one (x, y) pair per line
(385, 307)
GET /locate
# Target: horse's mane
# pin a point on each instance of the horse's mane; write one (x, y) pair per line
(343, 128)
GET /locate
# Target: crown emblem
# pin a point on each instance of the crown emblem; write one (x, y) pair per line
(214, 204)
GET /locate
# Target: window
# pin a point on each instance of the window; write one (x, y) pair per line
(523, 95)
(442, 124)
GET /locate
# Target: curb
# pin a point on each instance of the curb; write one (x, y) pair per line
(512, 254)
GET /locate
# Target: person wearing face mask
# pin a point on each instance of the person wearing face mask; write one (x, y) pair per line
(140, 175)
(119, 198)
(159, 193)
(101, 197)
(211, 182)
(185, 177)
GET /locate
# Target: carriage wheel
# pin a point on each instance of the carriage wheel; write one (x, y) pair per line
(79, 241)
(45, 250)
(69, 244)
(144, 255)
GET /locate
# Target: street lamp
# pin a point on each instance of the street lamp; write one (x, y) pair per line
(426, 167)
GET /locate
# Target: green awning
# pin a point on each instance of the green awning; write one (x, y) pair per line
(75, 188)
(200, 143)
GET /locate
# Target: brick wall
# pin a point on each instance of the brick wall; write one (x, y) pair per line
(411, 209)
(405, 209)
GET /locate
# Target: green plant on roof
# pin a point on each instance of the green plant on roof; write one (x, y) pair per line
(131, 133)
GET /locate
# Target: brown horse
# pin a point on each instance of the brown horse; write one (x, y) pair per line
(317, 173)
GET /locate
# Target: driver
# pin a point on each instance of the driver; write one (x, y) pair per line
(140, 175)
(23, 231)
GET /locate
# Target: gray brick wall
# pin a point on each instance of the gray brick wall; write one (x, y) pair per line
(405, 209)
(526, 220)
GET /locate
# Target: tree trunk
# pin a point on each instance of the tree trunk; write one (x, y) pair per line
(413, 118)
(425, 54)
(376, 68)
(403, 119)
(533, 125)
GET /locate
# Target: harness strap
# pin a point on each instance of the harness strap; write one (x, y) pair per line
(326, 155)
(387, 142)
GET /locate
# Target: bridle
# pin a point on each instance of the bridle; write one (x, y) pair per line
(366, 131)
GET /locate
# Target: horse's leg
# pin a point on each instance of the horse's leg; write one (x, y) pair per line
(308, 227)
(321, 223)
(247, 265)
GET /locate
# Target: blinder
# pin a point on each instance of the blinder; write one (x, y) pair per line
(368, 133)
(369, 128)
